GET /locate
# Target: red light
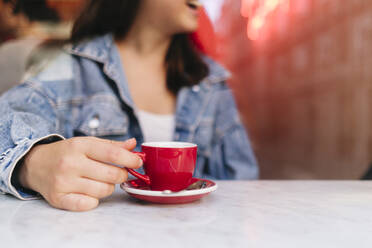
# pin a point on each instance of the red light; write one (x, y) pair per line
(257, 22)
(271, 5)
(257, 11)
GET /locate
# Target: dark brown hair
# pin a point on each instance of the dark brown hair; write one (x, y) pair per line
(34, 10)
(184, 64)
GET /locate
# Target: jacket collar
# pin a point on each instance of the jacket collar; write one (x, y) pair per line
(97, 49)
(100, 49)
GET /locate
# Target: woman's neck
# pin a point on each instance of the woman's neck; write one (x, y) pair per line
(145, 41)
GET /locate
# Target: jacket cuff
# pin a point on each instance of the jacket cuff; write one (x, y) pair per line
(9, 161)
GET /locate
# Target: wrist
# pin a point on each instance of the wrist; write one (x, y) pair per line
(25, 169)
(16, 180)
(21, 175)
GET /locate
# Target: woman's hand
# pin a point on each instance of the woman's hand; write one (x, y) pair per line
(74, 174)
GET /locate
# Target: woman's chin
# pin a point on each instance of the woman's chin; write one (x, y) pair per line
(190, 27)
(186, 26)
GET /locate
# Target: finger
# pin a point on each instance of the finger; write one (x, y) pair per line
(102, 172)
(108, 153)
(129, 144)
(76, 202)
(93, 188)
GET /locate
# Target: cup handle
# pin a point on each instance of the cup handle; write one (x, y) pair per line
(140, 176)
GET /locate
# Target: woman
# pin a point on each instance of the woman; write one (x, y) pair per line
(132, 72)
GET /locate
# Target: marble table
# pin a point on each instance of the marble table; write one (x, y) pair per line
(239, 214)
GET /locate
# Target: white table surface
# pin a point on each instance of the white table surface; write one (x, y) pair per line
(239, 214)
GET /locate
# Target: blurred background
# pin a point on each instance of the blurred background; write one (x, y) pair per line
(300, 70)
(31, 34)
(302, 77)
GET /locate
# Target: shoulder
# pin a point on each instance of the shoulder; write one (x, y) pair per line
(53, 76)
(227, 114)
(216, 84)
(216, 81)
(58, 67)
(222, 100)
(226, 99)
(217, 73)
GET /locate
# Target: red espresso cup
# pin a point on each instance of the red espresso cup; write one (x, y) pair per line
(167, 165)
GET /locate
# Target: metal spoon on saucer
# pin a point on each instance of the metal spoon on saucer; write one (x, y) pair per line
(197, 185)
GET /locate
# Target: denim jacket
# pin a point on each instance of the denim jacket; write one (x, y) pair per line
(84, 92)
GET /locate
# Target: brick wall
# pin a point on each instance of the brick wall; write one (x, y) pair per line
(304, 88)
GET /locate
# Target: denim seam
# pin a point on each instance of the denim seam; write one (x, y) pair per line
(4, 154)
(76, 101)
(53, 104)
(82, 100)
(34, 85)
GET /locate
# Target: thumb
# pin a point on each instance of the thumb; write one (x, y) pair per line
(77, 202)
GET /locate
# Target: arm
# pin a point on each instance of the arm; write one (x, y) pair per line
(70, 174)
(27, 118)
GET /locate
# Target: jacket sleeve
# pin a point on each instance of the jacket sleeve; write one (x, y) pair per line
(234, 151)
(27, 117)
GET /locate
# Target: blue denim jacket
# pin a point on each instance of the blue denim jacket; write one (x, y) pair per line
(84, 92)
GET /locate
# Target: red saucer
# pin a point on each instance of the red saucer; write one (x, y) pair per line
(140, 190)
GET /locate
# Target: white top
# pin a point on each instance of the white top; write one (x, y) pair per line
(253, 214)
(156, 127)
